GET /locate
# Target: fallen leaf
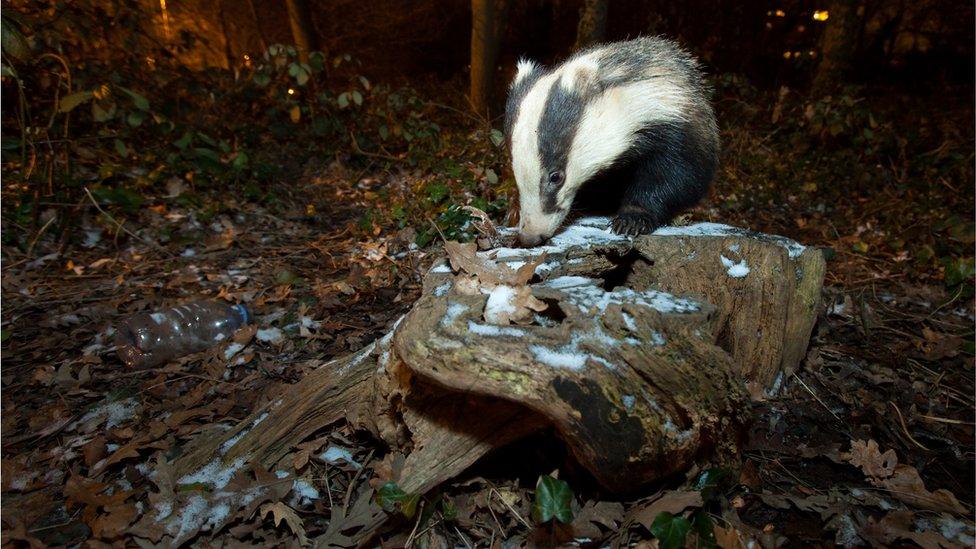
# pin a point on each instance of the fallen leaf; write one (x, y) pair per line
(280, 511)
(899, 525)
(868, 456)
(907, 486)
(672, 502)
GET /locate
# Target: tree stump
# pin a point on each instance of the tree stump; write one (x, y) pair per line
(640, 352)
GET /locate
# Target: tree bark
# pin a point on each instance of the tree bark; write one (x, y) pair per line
(301, 28)
(592, 27)
(487, 23)
(836, 46)
(641, 363)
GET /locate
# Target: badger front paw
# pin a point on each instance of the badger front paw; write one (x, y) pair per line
(633, 223)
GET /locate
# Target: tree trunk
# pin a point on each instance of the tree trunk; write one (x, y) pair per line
(836, 46)
(487, 22)
(592, 27)
(638, 382)
(301, 28)
(262, 41)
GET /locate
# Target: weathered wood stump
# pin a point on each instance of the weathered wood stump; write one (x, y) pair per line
(639, 352)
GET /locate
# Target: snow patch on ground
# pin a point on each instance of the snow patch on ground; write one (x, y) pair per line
(335, 454)
(559, 359)
(735, 270)
(232, 350)
(586, 294)
(270, 335)
(441, 268)
(454, 310)
(493, 331)
(215, 474)
(584, 232)
(501, 304)
(112, 413)
(442, 290)
(793, 248)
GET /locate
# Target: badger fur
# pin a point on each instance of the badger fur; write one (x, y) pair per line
(637, 110)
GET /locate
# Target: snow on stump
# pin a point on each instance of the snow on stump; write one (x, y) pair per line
(640, 352)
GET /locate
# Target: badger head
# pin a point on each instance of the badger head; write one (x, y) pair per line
(542, 116)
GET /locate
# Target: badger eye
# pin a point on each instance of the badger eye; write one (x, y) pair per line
(555, 177)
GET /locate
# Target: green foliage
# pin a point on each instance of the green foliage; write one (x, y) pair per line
(553, 500)
(670, 530)
(709, 482)
(391, 498)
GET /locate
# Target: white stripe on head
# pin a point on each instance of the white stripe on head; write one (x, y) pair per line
(610, 124)
(526, 159)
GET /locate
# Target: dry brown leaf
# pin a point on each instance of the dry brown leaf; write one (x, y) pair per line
(868, 456)
(482, 223)
(907, 486)
(280, 511)
(899, 525)
(115, 521)
(464, 257)
(904, 482)
(673, 502)
(607, 514)
(727, 538)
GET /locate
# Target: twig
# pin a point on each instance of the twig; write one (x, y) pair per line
(120, 227)
(357, 150)
(946, 420)
(904, 427)
(37, 237)
(814, 395)
(510, 508)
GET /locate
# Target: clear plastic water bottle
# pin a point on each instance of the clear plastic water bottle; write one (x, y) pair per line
(150, 339)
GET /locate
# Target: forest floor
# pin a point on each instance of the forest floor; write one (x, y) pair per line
(888, 378)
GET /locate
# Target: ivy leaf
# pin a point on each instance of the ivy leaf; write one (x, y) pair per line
(300, 71)
(491, 177)
(709, 481)
(70, 101)
(103, 110)
(121, 148)
(670, 530)
(12, 41)
(135, 118)
(553, 499)
(497, 137)
(343, 100)
(357, 97)
(389, 496)
(261, 79)
(138, 100)
(702, 525)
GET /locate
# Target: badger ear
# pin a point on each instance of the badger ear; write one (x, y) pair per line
(525, 68)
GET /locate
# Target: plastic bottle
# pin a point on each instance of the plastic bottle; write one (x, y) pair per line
(149, 339)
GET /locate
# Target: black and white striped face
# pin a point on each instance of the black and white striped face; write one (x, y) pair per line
(566, 124)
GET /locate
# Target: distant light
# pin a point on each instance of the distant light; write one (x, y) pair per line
(787, 54)
(801, 28)
(291, 91)
(821, 15)
(813, 53)
(780, 13)
(247, 57)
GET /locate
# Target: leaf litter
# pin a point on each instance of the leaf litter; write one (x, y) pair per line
(88, 445)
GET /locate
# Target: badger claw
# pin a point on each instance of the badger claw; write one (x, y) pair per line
(633, 224)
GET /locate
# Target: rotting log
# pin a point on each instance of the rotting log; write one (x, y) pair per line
(641, 361)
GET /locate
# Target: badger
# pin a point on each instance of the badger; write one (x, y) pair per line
(627, 117)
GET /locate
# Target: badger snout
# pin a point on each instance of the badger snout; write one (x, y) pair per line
(530, 240)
